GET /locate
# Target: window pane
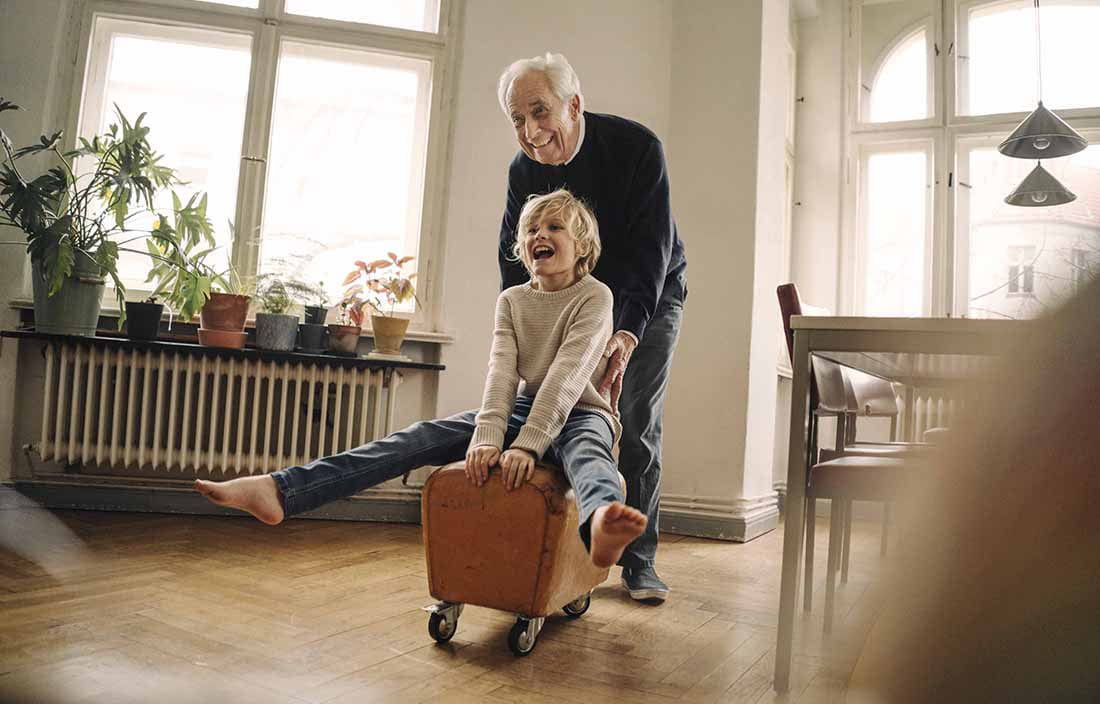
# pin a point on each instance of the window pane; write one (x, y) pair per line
(193, 86)
(236, 3)
(895, 70)
(419, 15)
(1020, 262)
(998, 70)
(895, 230)
(346, 171)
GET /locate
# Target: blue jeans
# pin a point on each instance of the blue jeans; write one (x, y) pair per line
(582, 450)
(641, 408)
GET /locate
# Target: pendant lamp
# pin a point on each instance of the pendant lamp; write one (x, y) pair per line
(1042, 135)
(1040, 189)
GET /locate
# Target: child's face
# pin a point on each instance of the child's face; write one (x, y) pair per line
(551, 248)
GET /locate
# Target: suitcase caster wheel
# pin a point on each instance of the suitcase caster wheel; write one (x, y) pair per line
(578, 606)
(524, 635)
(442, 628)
(443, 620)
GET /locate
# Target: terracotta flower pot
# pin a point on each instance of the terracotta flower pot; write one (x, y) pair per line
(343, 339)
(389, 333)
(233, 339)
(224, 311)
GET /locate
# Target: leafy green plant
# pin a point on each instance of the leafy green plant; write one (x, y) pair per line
(64, 214)
(273, 294)
(376, 285)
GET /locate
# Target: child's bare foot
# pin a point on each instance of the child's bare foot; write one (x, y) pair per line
(614, 526)
(256, 495)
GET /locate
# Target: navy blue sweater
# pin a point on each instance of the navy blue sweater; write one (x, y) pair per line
(620, 174)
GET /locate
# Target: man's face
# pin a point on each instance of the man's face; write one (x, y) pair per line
(546, 127)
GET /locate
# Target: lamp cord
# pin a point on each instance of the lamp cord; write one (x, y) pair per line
(1039, 50)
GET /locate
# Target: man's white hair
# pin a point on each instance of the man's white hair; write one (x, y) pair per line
(563, 79)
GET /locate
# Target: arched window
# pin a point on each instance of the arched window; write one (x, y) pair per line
(899, 90)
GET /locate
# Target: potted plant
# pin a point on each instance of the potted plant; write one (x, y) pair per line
(384, 284)
(343, 335)
(275, 328)
(143, 318)
(311, 332)
(316, 311)
(77, 225)
(222, 316)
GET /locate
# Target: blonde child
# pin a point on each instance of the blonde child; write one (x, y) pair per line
(550, 333)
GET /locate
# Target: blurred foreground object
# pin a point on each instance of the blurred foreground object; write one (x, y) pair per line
(995, 595)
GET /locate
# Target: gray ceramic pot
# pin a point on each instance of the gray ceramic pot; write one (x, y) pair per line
(276, 331)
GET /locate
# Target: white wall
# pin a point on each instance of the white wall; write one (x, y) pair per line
(819, 172)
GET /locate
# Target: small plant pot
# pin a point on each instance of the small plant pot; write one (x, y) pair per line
(315, 315)
(343, 339)
(311, 338)
(389, 333)
(275, 331)
(143, 320)
(230, 339)
(224, 311)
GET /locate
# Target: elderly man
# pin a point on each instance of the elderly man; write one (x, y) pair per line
(618, 168)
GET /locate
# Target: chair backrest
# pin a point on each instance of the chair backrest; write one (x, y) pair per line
(830, 386)
(826, 379)
(869, 395)
(791, 304)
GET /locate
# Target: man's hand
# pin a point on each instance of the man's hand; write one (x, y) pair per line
(478, 462)
(517, 466)
(619, 348)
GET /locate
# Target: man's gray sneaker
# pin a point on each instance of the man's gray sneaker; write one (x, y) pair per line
(644, 584)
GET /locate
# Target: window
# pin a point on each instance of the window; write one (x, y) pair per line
(1021, 270)
(948, 244)
(1081, 264)
(896, 221)
(896, 60)
(310, 127)
(420, 15)
(992, 237)
(997, 68)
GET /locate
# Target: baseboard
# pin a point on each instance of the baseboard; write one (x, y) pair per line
(737, 520)
(399, 505)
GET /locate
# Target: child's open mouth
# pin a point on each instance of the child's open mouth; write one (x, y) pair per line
(542, 252)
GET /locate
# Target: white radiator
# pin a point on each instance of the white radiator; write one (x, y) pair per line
(161, 410)
(932, 408)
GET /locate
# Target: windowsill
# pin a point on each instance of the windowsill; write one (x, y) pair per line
(427, 336)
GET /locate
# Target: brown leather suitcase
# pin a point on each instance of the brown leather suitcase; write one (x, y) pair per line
(517, 551)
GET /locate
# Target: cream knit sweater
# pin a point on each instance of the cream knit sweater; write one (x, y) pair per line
(554, 341)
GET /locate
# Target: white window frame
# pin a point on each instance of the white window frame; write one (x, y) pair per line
(942, 294)
(269, 25)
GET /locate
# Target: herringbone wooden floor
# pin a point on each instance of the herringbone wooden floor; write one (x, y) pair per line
(125, 607)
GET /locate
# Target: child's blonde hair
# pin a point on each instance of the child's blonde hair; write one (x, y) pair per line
(579, 220)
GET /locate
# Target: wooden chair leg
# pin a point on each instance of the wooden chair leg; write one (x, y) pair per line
(811, 526)
(836, 537)
(885, 529)
(846, 548)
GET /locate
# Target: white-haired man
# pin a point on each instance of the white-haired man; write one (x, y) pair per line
(618, 168)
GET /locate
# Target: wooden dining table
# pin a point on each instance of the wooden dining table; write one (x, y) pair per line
(912, 351)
